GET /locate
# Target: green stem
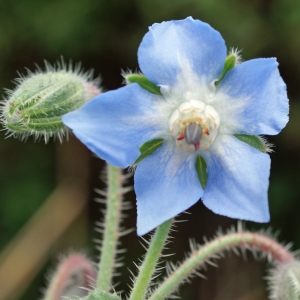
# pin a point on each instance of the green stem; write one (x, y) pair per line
(111, 228)
(147, 268)
(202, 255)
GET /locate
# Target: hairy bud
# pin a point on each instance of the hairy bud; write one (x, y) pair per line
(74, 276)
(284, 281)
(40, 99)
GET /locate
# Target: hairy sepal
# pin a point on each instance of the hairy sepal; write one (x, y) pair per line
(147, 149)
(230, 62)
(201, 171)
(253, 141)
(144, 82)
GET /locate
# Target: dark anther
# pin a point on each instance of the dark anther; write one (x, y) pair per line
(193, 133)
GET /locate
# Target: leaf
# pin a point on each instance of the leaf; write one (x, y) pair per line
(144, 82)
(201, 170)
(229, 64)
(254, 141)
(148, 148)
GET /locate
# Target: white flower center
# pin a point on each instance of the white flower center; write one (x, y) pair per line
(194, 125)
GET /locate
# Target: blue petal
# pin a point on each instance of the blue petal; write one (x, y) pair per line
(171, 47)
(114, 124)
(257, 85)
(238, 180)
(166, 183)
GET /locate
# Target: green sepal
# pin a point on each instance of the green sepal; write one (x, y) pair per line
(201, 170)
(148, 148)
(101, 295)
(53, 124)
(229, 64)
(254, 141)
(144, 82)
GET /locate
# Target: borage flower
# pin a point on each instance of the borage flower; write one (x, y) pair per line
(202, 125)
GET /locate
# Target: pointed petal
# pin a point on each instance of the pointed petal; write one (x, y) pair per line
(166, 184)
(173, 47)
(238, 180)
(114, 124)
(257, 93)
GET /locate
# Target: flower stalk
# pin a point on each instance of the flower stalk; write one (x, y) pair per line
(111, 228)
(148, 266)
(200, 256)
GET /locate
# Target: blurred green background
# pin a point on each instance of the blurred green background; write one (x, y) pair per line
(104, 35)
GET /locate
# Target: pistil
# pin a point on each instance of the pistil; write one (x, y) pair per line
(193, 134)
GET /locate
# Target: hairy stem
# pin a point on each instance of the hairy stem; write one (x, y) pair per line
(206, 252)
(147, 268)
(111, 228)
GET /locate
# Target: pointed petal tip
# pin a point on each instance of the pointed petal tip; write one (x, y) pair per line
(261, 93)
(238, 180)
(162, 191)
(171, 45)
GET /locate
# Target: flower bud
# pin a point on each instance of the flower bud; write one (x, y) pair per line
(73, 277)
(284, 281)
(40, 99)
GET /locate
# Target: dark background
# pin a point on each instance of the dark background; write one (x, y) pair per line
(104, 35)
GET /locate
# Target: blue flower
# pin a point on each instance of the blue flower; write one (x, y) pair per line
(193, 116)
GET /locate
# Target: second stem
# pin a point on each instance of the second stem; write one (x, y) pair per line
(111, 228)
